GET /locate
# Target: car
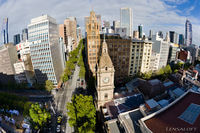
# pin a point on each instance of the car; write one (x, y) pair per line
(58, 129)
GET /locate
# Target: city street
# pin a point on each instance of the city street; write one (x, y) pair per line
(64, 96)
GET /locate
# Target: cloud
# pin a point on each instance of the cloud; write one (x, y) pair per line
(188, 11)
(153, 14)
(176, 1)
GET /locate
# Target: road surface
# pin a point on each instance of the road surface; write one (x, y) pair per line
(62, 97)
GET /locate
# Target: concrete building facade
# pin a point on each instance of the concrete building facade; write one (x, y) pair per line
(8, 56)
(173, 49)
(119, 52)
(93, 41)
(161, 46)
(44, 49)
(140, 55)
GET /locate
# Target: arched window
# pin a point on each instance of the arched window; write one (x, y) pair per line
(106, 68)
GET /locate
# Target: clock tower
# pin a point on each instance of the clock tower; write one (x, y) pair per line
(105, 77)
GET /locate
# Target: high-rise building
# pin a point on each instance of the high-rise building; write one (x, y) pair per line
(119, 52)
(188, 33)
(4, 32)
(172, 52)
(116, 24)
(45, 49)
(126, 20)
(181, 39)
(121, 31)
(106, 24)
(160, 34)
(172, 36)
(193, 51)
(161, 46)
(150, 34)
(140, 54)
(8, 56)
(62, 33)
(93, 41)
(98, 20)
(71, 26)
(140, 31)
(24, 34)
(16, 39)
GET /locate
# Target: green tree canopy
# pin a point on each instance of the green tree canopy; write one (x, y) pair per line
(39, 116)
(48, 85)
(82, 113)
(167, 69)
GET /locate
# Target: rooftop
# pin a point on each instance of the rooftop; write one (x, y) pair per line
(130, 120)
(123, 104)
(168, 83)
(113, 126)
(174, 116)
(154, 81)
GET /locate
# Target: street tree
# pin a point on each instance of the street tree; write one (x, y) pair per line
(39, 116)
(82, 113)
(48, 85)
(167, 69)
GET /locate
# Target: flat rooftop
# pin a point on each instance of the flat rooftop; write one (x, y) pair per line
(185, 113)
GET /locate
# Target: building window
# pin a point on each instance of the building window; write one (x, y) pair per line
(106, 68)
(106, 96)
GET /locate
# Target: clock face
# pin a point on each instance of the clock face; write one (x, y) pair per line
(106, 80)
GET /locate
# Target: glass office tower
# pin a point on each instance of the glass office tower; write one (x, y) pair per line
(126, 20)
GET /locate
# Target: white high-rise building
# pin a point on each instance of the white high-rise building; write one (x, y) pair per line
(48, 64)
(126, 20)
(161, 47)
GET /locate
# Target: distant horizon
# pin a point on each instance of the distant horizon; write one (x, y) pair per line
(155, 15)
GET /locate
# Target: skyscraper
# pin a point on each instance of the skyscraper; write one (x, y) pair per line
(93, 41)
(16, 39)
(45, 49)
(150, 34)
(126, 20)
(181, 39)
(160, 34)
(4, 31)
(188, 33)
(98, 20)
(171, 36)
(140, 31)
(71, 25)
(24, 34)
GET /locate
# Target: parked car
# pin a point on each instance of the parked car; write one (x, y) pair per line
(58, 129)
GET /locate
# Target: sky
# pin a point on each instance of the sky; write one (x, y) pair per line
(157, 15)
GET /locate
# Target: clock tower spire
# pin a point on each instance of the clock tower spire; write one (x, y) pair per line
(105, 77)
